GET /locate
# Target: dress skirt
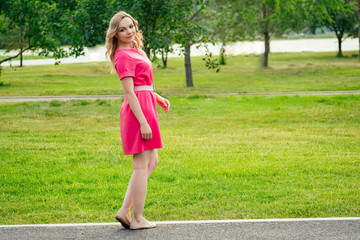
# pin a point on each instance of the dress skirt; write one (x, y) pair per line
(130, 127)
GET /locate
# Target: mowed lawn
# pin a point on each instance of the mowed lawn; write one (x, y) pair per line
(242, 74)
(223, 158)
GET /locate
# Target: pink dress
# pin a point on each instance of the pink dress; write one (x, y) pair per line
(130, 63)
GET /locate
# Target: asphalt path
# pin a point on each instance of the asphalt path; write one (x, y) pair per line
(66, 98)
(319, 229)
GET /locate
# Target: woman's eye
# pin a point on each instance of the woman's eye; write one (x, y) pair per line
(121, 30)
(131, 26)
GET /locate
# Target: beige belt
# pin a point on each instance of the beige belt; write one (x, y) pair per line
(144, 88)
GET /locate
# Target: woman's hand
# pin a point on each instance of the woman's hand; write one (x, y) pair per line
(163, 102)
(146, 132)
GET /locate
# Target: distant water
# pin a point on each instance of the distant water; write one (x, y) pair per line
(97, 54)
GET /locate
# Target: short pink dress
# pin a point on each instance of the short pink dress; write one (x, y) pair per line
(130, 63)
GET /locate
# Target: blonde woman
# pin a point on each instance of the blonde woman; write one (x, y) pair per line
(139, 124)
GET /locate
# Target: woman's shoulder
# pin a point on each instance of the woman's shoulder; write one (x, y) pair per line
(122, 55)
(130, 54)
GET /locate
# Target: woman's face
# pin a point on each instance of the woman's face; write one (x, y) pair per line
(127, 30)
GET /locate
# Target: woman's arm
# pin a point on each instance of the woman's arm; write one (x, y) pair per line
(128, 86)
(163, 102)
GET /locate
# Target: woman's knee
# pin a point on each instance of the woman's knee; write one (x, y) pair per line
(153, 160)
(141, 161)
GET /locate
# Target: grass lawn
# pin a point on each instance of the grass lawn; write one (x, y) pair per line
(223, 157)
(287, 72)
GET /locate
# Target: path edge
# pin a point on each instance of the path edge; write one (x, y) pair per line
(191, 222)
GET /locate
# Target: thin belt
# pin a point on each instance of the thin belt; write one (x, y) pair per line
(144, 88)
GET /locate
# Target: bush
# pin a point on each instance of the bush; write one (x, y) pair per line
(222, 56)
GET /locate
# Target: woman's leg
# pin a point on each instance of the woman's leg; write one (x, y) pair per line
(153, 161)
(139, 163)
(151, 167)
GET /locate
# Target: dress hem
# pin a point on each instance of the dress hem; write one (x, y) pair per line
(143, 150)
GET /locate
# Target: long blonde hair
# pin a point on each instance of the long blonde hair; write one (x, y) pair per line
(111, 40)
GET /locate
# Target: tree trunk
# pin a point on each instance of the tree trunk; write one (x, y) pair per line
(266, 37)
(164, 56)
(339, 47)
(267, 48)
(359, 25)
(21, 49)
(188, 71)
(148, 53)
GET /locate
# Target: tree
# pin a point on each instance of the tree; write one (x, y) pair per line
(158, 21)
(164, 23)
(252, 19)
(24, 26)
(192, 30)
(219, 18)
(149, 14)
(358, 15)
(45, 25)
(189, 34)
(336, 15)
(356, 33)
(87, 24)
(168, 27)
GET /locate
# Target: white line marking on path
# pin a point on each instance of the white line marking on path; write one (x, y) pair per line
(191, 222)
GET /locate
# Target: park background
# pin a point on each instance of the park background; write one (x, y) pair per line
(232, 149)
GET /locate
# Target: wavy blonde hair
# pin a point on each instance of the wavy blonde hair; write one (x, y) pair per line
(111, 40)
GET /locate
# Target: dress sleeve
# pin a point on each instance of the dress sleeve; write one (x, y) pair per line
(125, 66)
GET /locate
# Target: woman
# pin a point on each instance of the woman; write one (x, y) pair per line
(139, 123)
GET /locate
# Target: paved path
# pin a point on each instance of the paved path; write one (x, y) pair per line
(319, 229)
(65, 98)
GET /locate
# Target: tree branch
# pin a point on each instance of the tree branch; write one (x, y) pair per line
(154, 25)
(9, 58)
(336, 30)
(202, 37)
(194, 15)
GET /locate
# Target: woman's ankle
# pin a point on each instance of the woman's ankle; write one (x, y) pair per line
(137, 218)
(123, 210)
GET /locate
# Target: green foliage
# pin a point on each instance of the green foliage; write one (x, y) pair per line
(159, 21)
(45, 25)
(336, 15)
(28, 26)
(210, 61)
(257, 19)
(4, 84)
(222, 56)
(87, 23)
(193, 27)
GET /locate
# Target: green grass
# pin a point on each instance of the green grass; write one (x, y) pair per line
(223, 158)
(287, 72)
